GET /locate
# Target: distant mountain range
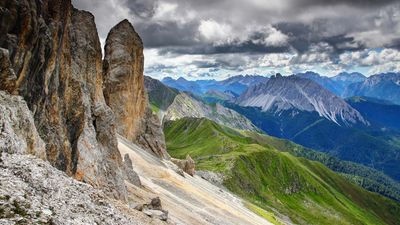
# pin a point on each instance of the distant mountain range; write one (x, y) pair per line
(385, 86)
(336, 84)
(236, 84)
(160, 96)
(305, 112)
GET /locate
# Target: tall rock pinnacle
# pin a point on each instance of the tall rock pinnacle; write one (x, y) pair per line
(124, 89)
(123, 73)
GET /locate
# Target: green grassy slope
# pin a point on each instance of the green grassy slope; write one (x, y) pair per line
(363, 176)
(304, 190)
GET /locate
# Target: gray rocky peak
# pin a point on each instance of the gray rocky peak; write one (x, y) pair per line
(286, 93)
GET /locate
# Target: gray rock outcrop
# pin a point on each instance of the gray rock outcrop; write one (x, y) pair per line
(154, 209)
(18, 133)
(123, 73)
(151, 135)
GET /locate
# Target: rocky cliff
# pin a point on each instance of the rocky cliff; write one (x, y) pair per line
(185, 105)
(52, 57)
(125, 92)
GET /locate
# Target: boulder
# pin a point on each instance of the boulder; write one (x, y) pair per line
(156, 203)
(130, 174)
(187, 165)
(154, 209)
(160, 214)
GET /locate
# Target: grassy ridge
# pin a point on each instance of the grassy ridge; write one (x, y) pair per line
(306, 191)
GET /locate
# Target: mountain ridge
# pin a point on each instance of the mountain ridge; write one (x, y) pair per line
(284, 93)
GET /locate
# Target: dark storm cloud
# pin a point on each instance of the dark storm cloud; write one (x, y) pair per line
(302, 36)
(342, 43)
(205, 64)
(176, 30)
(204, 49)
(167, 33)
(142, 8)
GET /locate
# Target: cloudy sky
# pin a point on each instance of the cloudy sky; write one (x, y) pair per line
(203, 39)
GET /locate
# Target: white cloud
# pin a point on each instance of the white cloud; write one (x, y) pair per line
(370, 57)
(274, 37)
(215, 32)
(386, 60)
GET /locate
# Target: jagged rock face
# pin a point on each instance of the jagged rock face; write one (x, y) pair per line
(125, 92)
(55, 53)
(18, 133)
